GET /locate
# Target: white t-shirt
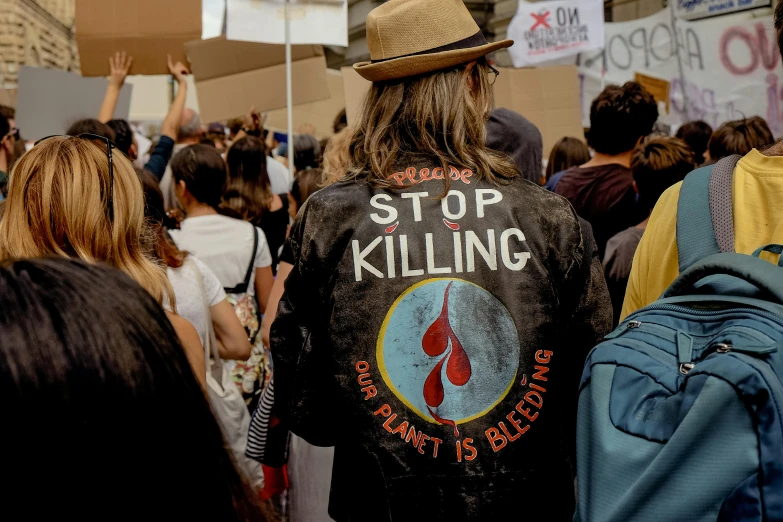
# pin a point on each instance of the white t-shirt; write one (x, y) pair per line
(225, 245)
(187, 290)
(278, 176)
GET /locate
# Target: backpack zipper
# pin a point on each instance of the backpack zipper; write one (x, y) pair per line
(670, 334)
(706, 313)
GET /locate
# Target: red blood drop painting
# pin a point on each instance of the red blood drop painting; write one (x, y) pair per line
(440, 338)
(450, 351)
(452, 226)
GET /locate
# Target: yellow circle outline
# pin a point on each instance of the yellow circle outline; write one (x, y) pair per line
(385, 373)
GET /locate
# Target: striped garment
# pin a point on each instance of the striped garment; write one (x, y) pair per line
(259, 424)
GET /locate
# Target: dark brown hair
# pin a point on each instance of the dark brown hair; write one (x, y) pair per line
(93, 349)
(441, 116)
(696, 134)
(234, 126)
(657, 164)
(91, 126)
(619, 117)
(307, 152)
(567, 153)
(340, 121)
(123, 135)
(8, 112)
(740, 137)
(248, 191)
(161, 246)
(307, 183)
(204, 172)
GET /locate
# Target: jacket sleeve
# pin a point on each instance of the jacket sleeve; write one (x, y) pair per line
(159, 158)
(590, 311)
(305, 385)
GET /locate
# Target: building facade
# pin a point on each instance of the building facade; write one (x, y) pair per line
(36, 33)
(492, 16)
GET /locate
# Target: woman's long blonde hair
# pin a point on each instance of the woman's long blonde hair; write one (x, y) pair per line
(58, 205)
(337, 155)
(442, 116)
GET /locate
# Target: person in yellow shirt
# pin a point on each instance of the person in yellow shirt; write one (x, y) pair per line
(757, 200)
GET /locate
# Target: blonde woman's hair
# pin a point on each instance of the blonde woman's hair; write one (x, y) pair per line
(337, 156)
(442, 116)
(57, 205)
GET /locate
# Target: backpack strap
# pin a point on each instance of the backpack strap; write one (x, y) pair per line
(242, 287)
(704, 213)
(721, 207)
(761, 274)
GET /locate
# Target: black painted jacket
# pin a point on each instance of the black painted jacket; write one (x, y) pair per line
(438, 345)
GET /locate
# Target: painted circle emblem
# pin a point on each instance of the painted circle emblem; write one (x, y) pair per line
(449, 350)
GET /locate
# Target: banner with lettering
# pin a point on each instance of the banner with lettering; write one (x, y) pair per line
(719, 69)
(695, 9)
(546, 31)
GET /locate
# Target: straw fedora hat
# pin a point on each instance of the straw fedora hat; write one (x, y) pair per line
(412, 37)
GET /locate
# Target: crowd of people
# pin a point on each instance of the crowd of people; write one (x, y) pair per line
(210, 337)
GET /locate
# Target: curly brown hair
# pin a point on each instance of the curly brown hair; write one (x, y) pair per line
(620, 117)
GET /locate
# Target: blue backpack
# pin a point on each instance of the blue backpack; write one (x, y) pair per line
(681, 408)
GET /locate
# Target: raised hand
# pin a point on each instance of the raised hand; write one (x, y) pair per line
(178, 70)
(253, 119)
(119, 64)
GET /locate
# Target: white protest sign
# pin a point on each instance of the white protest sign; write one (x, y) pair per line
(696, 9)
(546, 31)
(212, 12)
(731, 66)
(51, 100)
(322, 22)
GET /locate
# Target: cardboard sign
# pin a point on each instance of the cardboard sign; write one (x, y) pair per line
(320, 114)
(233, 76)
(356, 88)
(545, 31)
(694, 10)
(548, 96)
(312, 21)
(148, 30)
(50, 101)
(660, 89)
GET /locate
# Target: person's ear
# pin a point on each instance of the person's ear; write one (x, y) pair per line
(470, 71)
(181, 188)
(635, 188)
(133, 152)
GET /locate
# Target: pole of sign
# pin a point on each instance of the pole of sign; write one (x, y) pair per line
(289, 93)
(674, 20)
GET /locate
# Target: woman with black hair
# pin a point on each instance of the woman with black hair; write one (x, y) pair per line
(237, 252)
(100, 403)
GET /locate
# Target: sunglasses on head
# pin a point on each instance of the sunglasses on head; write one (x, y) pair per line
(109, 146)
